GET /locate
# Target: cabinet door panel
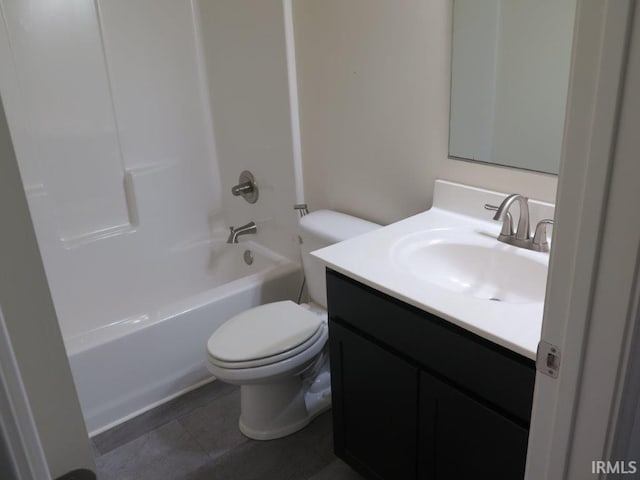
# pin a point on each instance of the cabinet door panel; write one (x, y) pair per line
(374, 406)
(462, 438)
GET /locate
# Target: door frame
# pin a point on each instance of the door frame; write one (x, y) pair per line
(591, 303)
(17, 422)
(41, 418)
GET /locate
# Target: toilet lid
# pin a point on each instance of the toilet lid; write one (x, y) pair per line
(263, 331)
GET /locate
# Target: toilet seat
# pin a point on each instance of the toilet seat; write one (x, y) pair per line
(264, 335)
(261, 362)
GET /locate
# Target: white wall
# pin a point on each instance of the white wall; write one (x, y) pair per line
(374, 79)
(30, 320)
(541, 186)
(245, 53)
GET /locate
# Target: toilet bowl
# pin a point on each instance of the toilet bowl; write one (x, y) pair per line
(277, 352)
(282, 366)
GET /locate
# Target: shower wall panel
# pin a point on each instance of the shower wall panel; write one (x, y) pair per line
(68, 142)
(245, 51)
(109, 112)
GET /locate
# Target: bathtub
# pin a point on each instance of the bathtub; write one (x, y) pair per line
(129, 365)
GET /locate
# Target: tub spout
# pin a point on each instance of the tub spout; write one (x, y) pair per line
(234, 233)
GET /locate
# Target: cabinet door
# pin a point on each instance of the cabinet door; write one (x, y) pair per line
(462, 438)
(374, 406)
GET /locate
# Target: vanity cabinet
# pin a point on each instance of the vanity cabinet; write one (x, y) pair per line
(416, 397)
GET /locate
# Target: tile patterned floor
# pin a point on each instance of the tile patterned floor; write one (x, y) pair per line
(196, 437)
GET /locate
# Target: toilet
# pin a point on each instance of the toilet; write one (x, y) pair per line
(277, 352)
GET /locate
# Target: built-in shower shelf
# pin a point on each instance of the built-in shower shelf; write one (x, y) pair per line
(80, 240)
(155, 203)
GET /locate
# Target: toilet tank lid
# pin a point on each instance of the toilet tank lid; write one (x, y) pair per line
(333, 226)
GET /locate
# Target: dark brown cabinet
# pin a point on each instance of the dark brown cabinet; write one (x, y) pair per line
(415, 397)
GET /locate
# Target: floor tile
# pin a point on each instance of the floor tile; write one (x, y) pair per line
(337, 470)
(296, 457)
(215, 426)
(165, 413)
(166, 453)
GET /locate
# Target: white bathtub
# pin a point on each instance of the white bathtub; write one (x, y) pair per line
(132, 364)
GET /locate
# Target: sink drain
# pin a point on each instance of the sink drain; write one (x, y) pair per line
(495, 299)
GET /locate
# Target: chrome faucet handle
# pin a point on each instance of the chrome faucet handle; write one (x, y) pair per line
(242, 189)
(246, 187)
(507, 224)
(540, 242)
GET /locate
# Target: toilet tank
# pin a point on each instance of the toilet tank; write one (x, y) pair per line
(320, 229)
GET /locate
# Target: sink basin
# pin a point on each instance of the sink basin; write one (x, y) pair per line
(473, 263)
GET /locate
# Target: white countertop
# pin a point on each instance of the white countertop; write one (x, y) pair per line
(369, 260)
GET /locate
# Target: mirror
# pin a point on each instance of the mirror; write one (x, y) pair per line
(509, 79)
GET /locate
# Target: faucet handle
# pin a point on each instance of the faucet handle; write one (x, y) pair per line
(507, 225)
(540, 242)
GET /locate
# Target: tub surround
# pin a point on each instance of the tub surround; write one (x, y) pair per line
(133, 165)
(369, 259)
(128, 176)
(120, 169)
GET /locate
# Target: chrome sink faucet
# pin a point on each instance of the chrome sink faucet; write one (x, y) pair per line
(234, 233)
(522, 237)
(522, 233)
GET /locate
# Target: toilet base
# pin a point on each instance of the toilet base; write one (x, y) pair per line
(277, 409)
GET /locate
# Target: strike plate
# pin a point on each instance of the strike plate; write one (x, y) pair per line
(548, 359)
